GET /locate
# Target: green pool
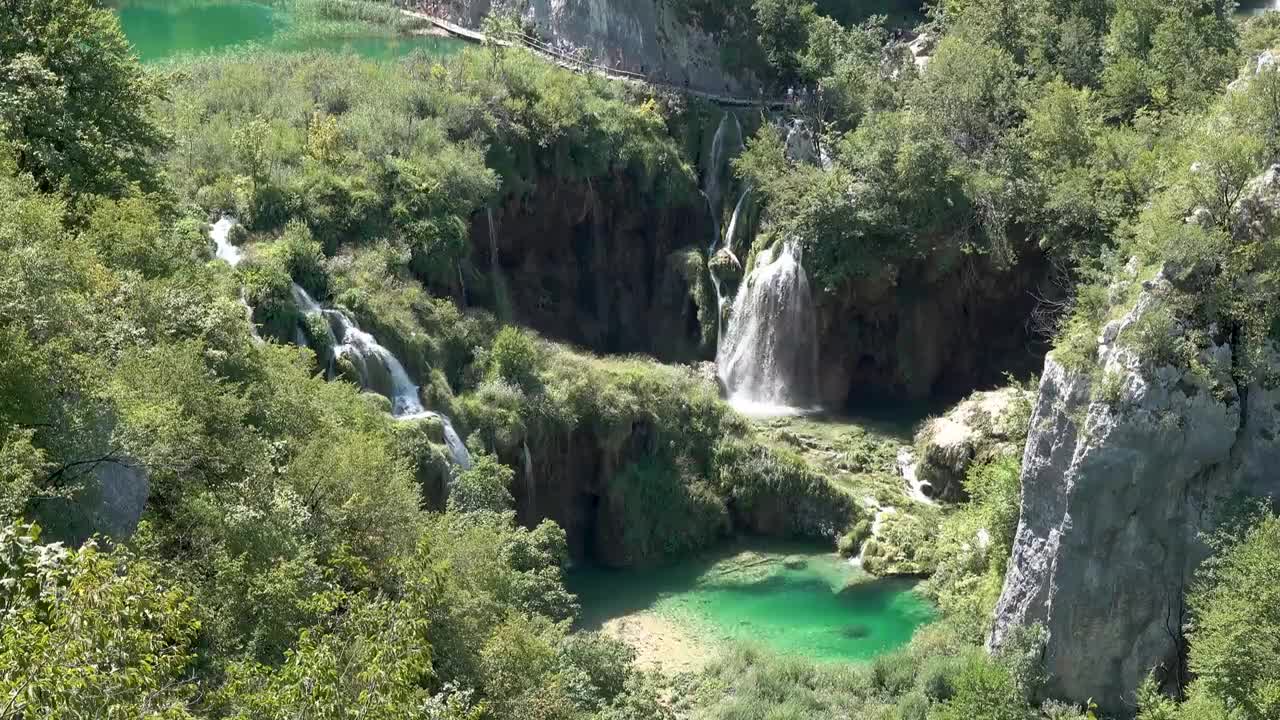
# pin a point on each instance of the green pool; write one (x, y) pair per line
(789, 599)
(163, 29)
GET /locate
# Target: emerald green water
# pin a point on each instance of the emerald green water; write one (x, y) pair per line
(790, 600)
(163, 29)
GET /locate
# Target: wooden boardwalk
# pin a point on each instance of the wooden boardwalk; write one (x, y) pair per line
(579, 65)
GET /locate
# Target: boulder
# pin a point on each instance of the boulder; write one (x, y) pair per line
(983, 426)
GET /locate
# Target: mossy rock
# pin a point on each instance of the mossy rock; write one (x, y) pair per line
(979, 429)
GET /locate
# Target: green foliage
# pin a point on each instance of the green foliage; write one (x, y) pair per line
(665, 512)
(515, 359)
(1236, 606)
(974, 545)
(73, 101)
(971, 90)
(1166, 55)
(984, 690)
(92, 634)
(784, 28)
(483, 487)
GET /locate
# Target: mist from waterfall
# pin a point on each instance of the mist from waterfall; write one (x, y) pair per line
(377, 369)
(768, 360)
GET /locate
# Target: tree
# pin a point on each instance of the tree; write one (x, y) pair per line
(984, 690)
(483, 487)
(971, 90)
(90, 634)
(1235, 641)
(74, 100)
(784, 33)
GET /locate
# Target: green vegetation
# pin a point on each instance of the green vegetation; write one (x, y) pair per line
(302, 554)
(1035, 127)
(1235, 612)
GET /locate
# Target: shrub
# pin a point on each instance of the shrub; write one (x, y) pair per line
(484, 487)
(515, 359)
(851, 542)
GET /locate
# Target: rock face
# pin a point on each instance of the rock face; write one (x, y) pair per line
(603, 267)
(642, 36)
(929, 328)
(1119, 482)
(985, 425)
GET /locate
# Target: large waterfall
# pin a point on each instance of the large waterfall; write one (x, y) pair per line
(768, 360)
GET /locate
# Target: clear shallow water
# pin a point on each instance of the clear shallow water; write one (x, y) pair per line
(789, 599)
(163, 29)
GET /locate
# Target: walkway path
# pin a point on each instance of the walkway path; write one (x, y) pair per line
(577, 64)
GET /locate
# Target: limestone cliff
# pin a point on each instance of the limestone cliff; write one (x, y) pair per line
(984, 426)
(1125, 468)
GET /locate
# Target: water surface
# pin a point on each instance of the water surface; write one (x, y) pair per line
(164, 29)
(792, 600)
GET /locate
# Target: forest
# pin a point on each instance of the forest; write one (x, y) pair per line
(219, 501)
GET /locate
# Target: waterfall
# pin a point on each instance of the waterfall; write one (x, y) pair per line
(377, 369)
(527, 461)
(711, 184)
(493, 242)
(221, 235)
(457, 449)
(716, 168)
(732, 233)
(768, 360)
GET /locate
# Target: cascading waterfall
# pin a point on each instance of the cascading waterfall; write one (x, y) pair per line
(529, 487)
(768, 361)
(711, 192)
(731, 234)
(221, 235)
(377, 369)
(717, 168)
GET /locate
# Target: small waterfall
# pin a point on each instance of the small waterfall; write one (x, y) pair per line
(457, 449)
(377, 368)
(529, 487)
(768, 360)
(248, 317)
(493, 242)
(731, 234)
(717, 166)
(221, 235)
(711, 183)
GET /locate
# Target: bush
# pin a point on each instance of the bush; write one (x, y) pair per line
(851, 542)
(984, 690)
(484, 487)
(515, 359)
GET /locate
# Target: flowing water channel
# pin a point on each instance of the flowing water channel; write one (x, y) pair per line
(789, 599)
(164, 29)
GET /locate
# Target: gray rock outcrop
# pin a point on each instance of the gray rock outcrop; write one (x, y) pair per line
(1124, 471)
(642, 36)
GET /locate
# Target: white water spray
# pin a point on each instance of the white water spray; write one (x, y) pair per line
(377, 368)
(221, 235)
(768, 360)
